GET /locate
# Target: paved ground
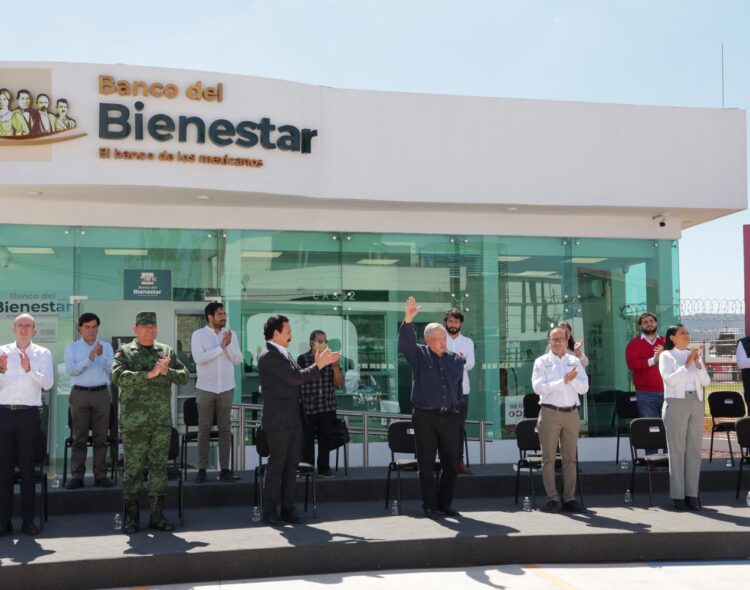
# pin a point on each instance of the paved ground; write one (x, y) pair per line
(665, 576)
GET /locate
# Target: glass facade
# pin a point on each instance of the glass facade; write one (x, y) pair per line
(352, 286)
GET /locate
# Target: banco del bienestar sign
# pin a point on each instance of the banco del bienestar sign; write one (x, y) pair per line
(119, 121)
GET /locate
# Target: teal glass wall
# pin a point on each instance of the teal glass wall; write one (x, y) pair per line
(353, 286)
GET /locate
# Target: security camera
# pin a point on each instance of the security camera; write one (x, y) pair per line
(661, 220)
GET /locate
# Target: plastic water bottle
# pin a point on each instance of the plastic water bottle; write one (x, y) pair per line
(526, 504)
(117, 522)
(624, 465)
(728, 462)
(395, 508)
(256, 513)
(628, 497)
(56, 482)
(747, 500)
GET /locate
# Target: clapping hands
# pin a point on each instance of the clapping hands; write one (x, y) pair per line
(326, 357)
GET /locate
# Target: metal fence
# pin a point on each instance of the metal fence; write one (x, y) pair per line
(358, 423)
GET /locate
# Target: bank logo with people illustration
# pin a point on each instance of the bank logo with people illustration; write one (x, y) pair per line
(28, 119)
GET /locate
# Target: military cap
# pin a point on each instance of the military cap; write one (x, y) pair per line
(145, 317)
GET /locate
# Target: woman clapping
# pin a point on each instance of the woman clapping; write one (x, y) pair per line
(684, 378)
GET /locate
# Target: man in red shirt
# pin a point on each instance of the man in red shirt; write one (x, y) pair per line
(642, 356)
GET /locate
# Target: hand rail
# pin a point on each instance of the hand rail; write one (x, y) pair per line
(241, 423)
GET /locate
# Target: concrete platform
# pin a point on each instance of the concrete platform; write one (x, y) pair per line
(220, 543)
(488, 481)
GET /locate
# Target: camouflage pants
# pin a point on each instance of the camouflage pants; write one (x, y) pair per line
(146, 450)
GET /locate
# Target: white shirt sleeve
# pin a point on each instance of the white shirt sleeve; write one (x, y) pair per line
(742, 361)
(470, 360)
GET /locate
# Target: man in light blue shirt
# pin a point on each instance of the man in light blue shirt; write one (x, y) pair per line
(88, 361)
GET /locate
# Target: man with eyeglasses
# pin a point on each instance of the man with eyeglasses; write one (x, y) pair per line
(25, 370)
(558, 379)
(319, 405)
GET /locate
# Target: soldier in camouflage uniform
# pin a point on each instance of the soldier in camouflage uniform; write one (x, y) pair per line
(144, 370)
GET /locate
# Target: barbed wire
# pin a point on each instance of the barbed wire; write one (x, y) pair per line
(695, 309)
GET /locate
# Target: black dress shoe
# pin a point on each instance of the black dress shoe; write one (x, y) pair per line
(680, 505)
(272, 519)
(553, 506)
(449, 512)
(103, 482)
(431, 513)
(30, 529)
(290, 516)
(326, 474)
(6, 529)
(693, 503)
(74, 483)
(572, 506)
(226, 475)
(200, 477)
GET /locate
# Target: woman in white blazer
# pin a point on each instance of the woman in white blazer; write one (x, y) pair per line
(684, 376)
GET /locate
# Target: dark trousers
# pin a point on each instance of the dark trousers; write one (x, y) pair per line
(89, 411)
(433, 433)
(285, 445)
(321, 426)
(463, 411)
(19, 433)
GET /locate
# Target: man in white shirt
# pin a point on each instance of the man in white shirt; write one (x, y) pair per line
(216, 351)
(558, 379)
(25, 370)
(88, 361)
(464, 347)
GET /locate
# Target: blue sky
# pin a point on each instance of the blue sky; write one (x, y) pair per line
(659, 52)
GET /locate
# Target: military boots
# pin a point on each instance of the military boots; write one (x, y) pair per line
(132, 517)
(157, 521)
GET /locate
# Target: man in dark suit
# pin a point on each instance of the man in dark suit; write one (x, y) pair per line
(280, 380)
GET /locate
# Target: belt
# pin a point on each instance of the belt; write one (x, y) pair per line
(95, 388)
(442, 411)
(14, 407)
(691, 391)
(559, 409)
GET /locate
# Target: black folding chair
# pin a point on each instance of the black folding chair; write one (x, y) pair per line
(724, 404)
(190, 418)
(626, 410)
(340, 438)
(529, 453)
(530, 457)
(111, 443)
(743, 440)
(174, 473)
(531, 405)
(401, 440)
(40, 475)
(305, 470)
(647, 433)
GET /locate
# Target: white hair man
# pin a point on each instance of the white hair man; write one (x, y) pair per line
(436, 397)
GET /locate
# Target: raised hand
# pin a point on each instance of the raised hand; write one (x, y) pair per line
(578, 348)
(411, 309)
